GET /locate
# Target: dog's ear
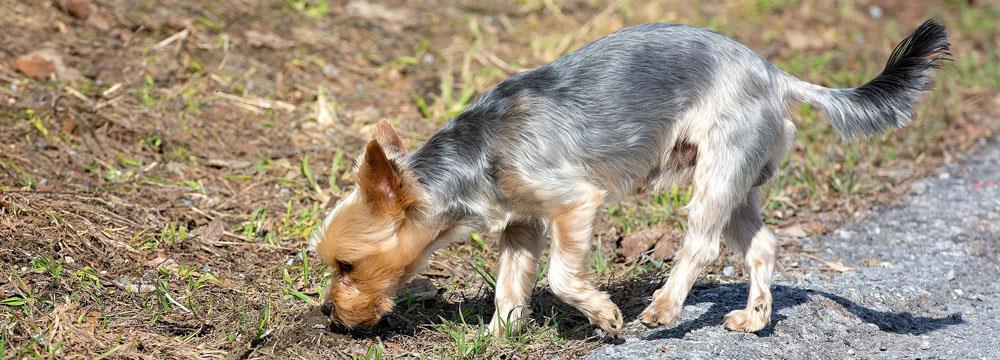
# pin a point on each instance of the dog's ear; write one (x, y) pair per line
(389, 139)
(381, 181)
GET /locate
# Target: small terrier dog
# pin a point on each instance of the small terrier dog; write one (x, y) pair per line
(539, 155)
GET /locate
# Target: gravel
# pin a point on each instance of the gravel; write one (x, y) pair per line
(925, 284)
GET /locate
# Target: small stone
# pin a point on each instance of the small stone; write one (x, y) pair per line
(267, 40)
(728, 271)
(944, 175)
(36, 65)
(875, 12)
(393, 18)
(951, 275)
(42, 64)
(331, 71)
(80, 9)
(795, 231)
(422, 289)
(125, 283)
(666, 247)
(959, 292)
(844, 234)
(69, 260)
(209, 233)
(633, 245)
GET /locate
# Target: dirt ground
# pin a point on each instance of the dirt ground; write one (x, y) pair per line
(162, 163)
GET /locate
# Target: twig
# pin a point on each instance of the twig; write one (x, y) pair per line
(257, 102)
(180, 35)
(111, 90)
(265, 246)
(78, 95)
(835, 266)
(202, 213)
(166, 294)
(102, 104)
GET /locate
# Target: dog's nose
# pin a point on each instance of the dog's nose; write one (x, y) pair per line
(327, 308)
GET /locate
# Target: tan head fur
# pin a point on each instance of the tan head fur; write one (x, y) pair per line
(372, 241)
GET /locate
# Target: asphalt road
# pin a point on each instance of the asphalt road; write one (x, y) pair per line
(925, 285)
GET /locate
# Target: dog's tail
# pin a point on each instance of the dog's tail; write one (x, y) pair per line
(886, 100)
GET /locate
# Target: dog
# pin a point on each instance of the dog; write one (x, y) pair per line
(538, 156)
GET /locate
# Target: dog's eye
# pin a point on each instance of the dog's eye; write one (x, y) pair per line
(344, 267)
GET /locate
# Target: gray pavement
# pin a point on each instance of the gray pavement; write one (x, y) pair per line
(925, 285)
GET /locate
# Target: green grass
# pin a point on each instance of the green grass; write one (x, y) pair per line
(311, 8)
(663, 208)
(466, 341)
(375, 351)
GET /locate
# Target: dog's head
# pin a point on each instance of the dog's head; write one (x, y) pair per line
(373, 239)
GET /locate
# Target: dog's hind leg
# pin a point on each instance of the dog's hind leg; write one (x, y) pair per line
(720, 185)
(571, 240)
(520, 244)
(749, 236)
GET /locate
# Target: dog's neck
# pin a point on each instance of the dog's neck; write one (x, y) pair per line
(455, 170)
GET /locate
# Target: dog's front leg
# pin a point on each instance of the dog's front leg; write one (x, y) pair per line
(520, 244)
(571, 241)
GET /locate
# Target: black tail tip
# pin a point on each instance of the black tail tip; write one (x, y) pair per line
(929, 42)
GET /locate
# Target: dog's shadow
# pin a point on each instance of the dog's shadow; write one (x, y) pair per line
(727, 297)
(632, 296)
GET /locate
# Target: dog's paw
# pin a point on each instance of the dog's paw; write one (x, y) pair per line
(609, 320)
(746, 321)
(657, 315)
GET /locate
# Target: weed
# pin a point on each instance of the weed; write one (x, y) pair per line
(253, 227)
(375, 351)
(598, 261)
(42, 264)
(301, 224)
(29, 115)
(153, 142)
(14, 301)
(109, 352)
(478, 240)
(308, 174)
(86, 278)
(479, 265)
(467, 342)
(23, 177)
(195, 284)
(311, 8)
(209, 23)
(263, 325)
(336, 166)
(145, 91)
(183, 154)
(163, 292)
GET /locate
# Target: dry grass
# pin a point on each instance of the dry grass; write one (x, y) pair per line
(158, 205)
